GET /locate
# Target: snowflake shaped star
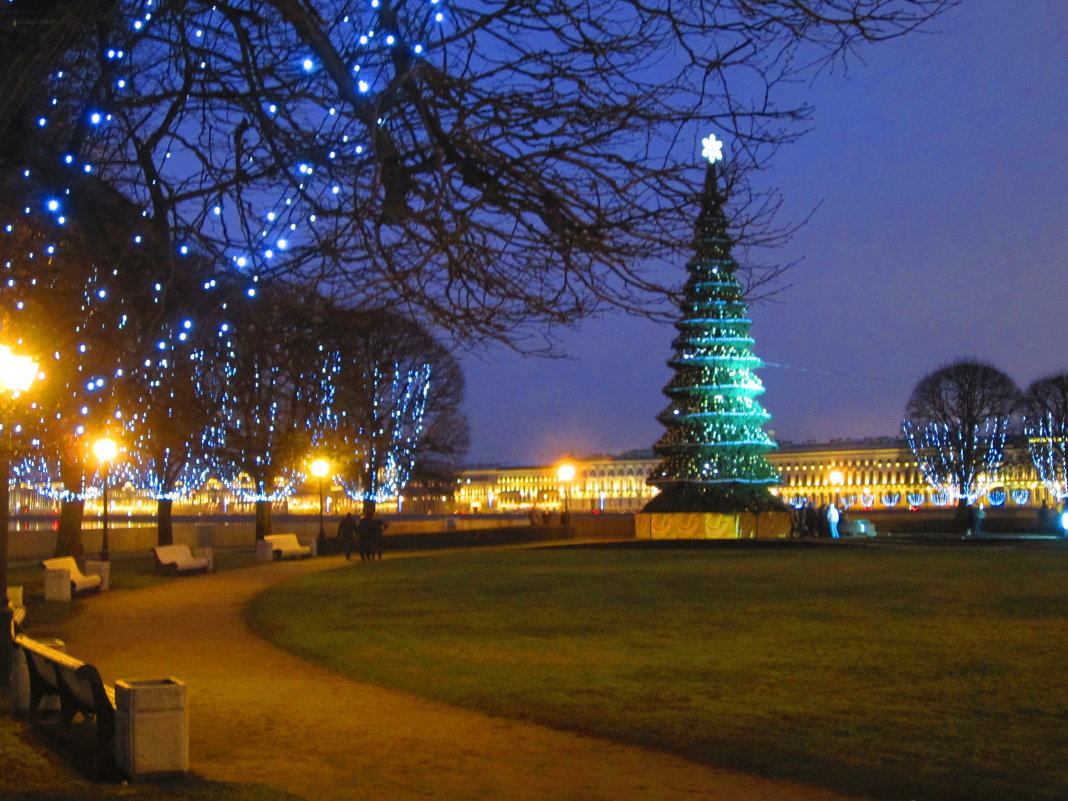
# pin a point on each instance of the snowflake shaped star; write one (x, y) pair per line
(712, 149)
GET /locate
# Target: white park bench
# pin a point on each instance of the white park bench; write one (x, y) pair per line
(63, 578)
(175, 559)
(285, 546)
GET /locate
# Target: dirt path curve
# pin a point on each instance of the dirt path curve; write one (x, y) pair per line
(258, 714)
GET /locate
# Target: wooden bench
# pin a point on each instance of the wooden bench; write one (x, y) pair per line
(63, 572)
(80, 690)
(175, 559)
(287, 546)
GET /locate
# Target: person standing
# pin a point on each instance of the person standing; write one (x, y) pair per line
(378, 537)
(346, 532)
(370, 533)
(832, 520)
(796, 524)
(810, 521)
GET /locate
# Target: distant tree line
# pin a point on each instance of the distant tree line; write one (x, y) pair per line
(246, 388)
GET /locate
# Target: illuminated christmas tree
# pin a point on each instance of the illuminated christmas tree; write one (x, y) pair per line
(713, 451)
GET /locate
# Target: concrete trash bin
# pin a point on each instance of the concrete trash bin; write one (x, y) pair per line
(57, 585)
(20, 681)
(102, 568)
(151, 728)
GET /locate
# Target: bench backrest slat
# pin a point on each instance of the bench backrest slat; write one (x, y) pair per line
(44, 669)
(62, 672)
(173, 553)
(283, 540)
(64, 563)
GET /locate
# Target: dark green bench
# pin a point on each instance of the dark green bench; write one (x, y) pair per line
(80, 690)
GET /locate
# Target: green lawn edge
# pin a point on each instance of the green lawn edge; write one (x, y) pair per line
(899, 671)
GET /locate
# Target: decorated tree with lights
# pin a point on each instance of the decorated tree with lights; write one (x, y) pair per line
(1046, 429)
(484, 168)
(394, 397)
(166, 420)
(267, 384)
(166, 412)
(79, 321)
(95, 330)
(956, 422)
(713, 449)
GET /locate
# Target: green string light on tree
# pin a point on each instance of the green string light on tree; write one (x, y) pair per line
(713, 450)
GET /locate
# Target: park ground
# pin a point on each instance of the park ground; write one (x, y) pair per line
(266, 721)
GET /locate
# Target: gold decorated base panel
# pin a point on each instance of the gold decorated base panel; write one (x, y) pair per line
(709, 526)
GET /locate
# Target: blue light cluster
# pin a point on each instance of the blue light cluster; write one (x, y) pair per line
(957, 462)
(1047, 441)
(249, 223)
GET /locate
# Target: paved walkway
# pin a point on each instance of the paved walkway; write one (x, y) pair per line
(258, 714)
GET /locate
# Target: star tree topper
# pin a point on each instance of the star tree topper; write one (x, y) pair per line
(712, 149)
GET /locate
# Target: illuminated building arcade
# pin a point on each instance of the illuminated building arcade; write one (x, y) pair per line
(870, 474)
(873, 474)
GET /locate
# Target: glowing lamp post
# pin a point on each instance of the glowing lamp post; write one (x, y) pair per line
(566, 474)
(105, 450)
(837, 479)
(17, 374)
(319, 469)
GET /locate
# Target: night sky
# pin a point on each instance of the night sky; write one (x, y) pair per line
(942, 232)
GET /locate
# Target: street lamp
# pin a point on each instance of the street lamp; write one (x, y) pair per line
(105, 450)
(837, 479)
(319, 468)
(17, 373)
(566, 474)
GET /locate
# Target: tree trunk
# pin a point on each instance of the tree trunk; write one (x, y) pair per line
(165, 534)
(69, 536)
(369, 508)
(263, 519)
(962, 516)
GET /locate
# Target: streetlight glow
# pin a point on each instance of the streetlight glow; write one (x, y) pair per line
(17, 373)
(565, 473)
(105, 449)
(319, 469)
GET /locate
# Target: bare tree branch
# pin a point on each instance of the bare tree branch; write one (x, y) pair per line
(490, 166)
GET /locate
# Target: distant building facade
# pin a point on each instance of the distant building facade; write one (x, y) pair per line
(867, 474)
(864, 474)
(601, 484)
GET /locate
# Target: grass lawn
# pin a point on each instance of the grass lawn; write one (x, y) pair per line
(892, 671)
